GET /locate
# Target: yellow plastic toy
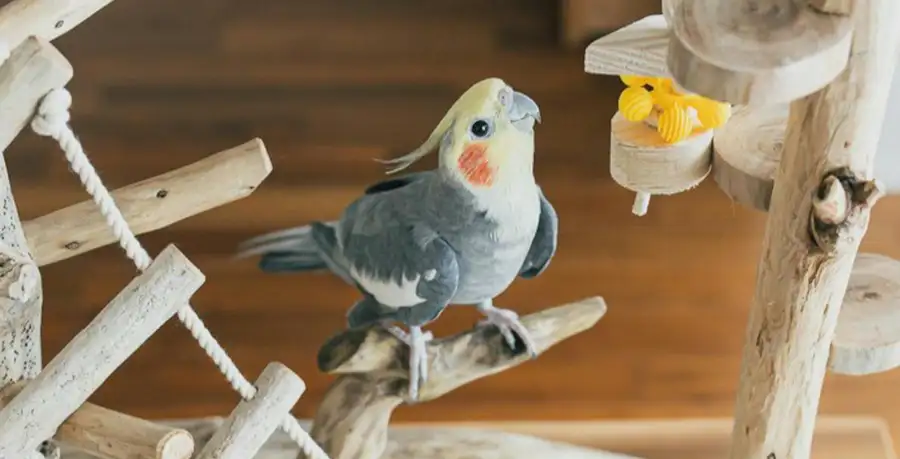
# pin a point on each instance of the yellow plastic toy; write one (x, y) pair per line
(646, 96)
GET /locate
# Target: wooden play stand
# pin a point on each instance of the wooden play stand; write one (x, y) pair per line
(818, 306)
(808, 81)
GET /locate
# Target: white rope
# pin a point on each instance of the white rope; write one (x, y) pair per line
(51, 120)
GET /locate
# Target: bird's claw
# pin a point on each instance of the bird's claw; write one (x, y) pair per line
(508, 322)
(416, 339)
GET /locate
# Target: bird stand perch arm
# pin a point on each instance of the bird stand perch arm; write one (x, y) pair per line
(153, 203)
(253, 421)
(108, 434)
(47, 19)
(352, 420)
(33, 68)
(819, 213)
(90, 358)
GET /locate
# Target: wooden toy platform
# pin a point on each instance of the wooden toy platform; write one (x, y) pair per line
(835, 437)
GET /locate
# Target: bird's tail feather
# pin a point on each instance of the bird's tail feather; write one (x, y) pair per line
(288, 250)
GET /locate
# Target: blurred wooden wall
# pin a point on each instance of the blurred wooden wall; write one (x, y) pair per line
(329, 85)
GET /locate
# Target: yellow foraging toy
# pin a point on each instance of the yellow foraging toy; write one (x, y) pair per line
(635, 103)
(710, 113)
(675, 124)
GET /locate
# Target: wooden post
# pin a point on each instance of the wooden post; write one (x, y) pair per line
(819, 213)
(108, 434)
(153, 203)
(33, 69)
(253, 421)
(89, 358)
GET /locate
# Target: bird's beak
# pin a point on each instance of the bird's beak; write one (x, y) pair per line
(524, 112)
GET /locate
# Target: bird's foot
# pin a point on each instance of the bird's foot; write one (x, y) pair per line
(508, 322)
(416, 339)
(418, 359)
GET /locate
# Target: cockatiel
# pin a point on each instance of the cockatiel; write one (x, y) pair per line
(460, 233)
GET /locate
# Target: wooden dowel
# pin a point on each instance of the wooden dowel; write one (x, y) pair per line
(153, 203)
(253, 421)
(101, 347)
(32, 70)
(811, 242)
(47, 19)
(108, 434)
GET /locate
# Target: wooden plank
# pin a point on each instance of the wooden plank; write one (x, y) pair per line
(836, 437)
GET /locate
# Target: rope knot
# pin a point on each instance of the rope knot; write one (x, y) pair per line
(53, 113)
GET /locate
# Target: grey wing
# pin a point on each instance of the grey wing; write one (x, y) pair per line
(543, 246)
(405, 267)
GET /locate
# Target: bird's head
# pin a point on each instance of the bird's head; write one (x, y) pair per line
(486, 137)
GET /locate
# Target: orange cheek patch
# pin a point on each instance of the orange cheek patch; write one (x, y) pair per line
(474, 165)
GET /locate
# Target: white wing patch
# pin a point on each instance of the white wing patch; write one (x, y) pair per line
(388, 292)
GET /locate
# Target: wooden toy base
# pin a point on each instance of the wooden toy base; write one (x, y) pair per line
(836, 437)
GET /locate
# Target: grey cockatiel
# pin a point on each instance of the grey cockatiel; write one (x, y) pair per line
(457, 234)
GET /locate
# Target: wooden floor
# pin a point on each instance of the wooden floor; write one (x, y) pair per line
(330, 85)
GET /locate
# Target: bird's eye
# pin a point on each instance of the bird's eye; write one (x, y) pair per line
(480, 128)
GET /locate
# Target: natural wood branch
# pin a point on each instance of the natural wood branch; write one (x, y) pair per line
(153, 203)
(867, 337)
(754, 52)
(352, 419)
(253, 421)
(101, 347)
(801, 285)
(46, 19)
(108, 434)
(33, 69)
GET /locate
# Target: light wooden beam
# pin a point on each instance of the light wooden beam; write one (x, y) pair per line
(108, 434)
(147, 302)
(819, 212)
(636, 49)
(253, 421)
(153, 203)
(45, 19)
(33, 68)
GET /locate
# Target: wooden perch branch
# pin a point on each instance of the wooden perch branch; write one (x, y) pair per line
(253, 421)
(82, 366)
(108, 434)
(352, 420)
(822, 186)
(153, 203)
(47, 19)
(33, 69)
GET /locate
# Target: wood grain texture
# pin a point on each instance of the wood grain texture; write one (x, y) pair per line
(867, 337)
(750, 52)
(156, 88)
(808, 249)
(108, 434)
(82, 366)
